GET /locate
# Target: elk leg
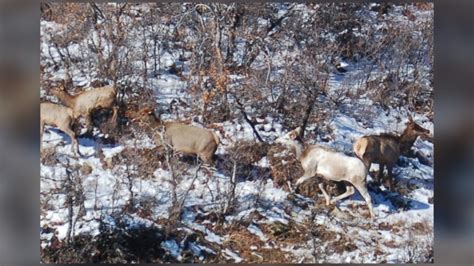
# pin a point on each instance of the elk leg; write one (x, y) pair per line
(302, 179)
(390, 177)
(288, 182)
(206, 159)
(380, 174)
(368, 166)
(74, 143)
(362, 188)
(349, 192)
(326, 196)
(366, 162)
(114, 114)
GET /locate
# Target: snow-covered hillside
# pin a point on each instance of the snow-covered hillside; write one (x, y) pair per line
(115, 202)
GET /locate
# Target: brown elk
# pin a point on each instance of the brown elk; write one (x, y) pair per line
(86, 101)
(60, 116)
(317, 160)
(183, 138)
(384, 149)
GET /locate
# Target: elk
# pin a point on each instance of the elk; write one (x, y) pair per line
(384, 149)
(183, 138)
(61, 117)
(86, 101)
(318, 160)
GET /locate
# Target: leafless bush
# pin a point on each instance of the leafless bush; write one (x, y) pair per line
(117, 244)
(284, 165)
(419, 249)
(208, 53)
(145, 161)
(75, 197)
(49, 156)
(176, 173)
(245, 154)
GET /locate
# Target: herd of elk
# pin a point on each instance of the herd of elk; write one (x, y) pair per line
(80, 105)
(316, 160)
(384, 149)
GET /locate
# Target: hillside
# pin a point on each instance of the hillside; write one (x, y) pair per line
(251, 73)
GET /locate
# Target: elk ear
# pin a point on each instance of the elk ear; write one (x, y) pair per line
(292, 135)
(298, 131)
(60, 87)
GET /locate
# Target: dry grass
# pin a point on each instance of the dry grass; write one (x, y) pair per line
(145, 160)
(251, 248)
(284, 165)
(110, 246)
(48, 156)
(245, 154)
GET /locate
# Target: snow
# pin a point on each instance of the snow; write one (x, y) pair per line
(107, 191)
(100, 186)
(172, 247)
(210, 236)
(256, 231)
(111, 152)
(232, 255)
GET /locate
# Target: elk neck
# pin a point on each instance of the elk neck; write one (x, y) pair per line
(298, 148)
(407, 139)
(66, 98)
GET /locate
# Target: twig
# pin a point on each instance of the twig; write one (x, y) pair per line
(231, 198)
(244, 114)
(189, 188)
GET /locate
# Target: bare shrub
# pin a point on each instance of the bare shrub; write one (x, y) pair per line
(284, 165)
(144, 160)
(72, 188)
(49, 156)
(112, 245)
(245, 153)
(419, 249)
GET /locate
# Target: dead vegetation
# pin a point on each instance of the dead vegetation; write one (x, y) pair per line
(267, 96)
(118, 245)
(48, 156)
(144, 160)
(245, 154)
(284, 166)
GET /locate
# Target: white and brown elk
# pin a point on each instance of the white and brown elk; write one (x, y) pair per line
(317, 160)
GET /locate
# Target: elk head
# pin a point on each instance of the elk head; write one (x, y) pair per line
(290, 137)
(416, 129)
